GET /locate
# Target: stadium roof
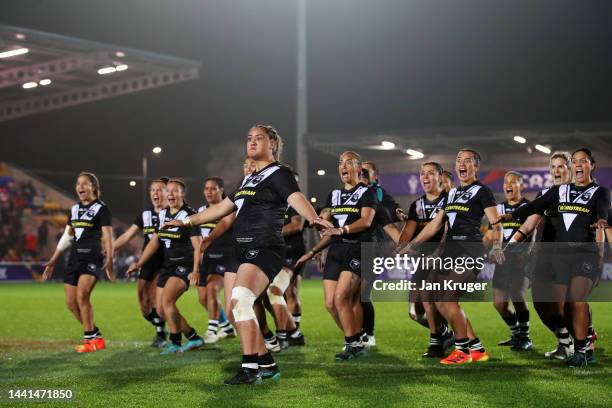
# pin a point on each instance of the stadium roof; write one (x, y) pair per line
(490, 141)
(42, 71)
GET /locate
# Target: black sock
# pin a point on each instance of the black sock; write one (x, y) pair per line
(266, 361)
(175, 338)
(158, 322)
(191, 334)
(476, 345)
(435, 339)
(297, 317)
(89, 335)
(563, 336)
(523, 323)
(581, 346)
(354, 340)
(463, 345)
(368, 317)
(269, 336)
(512, 322)
(250, 362)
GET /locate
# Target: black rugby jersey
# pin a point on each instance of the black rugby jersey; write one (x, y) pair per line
(578, 208)
(510, 227)
(223, 242)
(293, 242)
(176, 241)
(423, 211)
(550, 218)
(345, 208)
(261, 202)
(148, 222)
(86, 222)
(464, 209)
(382, 217)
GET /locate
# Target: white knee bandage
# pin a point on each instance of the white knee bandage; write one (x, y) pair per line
(243, 309)
(281, 281)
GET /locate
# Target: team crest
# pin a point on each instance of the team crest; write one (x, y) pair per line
(91, 267)
(220, 268)
(252, 254)
(180, 270)
(354, 263)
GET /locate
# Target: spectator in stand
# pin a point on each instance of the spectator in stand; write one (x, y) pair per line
(43, 233)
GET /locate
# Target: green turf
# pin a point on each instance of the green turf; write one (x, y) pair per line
(37, 334)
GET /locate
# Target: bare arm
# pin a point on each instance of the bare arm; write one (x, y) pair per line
(126, 237)
(497, 234)
(528, 227)
(431, 229)
(393, 232)
(194, 276)
(63, 244)
(219, 211)
(305, 209)
(147, 253)
(294, 227)
(107, 244)
(408, 231)
(319, 246)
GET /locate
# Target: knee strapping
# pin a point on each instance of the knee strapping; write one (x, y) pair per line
(281, 281)
(243, 308)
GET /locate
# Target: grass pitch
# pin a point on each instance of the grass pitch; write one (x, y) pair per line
(37, 334)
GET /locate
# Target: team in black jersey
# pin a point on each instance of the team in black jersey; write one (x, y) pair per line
(148, 222)
(464, 209)
(180, 267)
(89, 234)
(251, 244)
(422, 212)
(260, 203)
(583, 208)
(510, 280)
(218, 259)
(351, 209)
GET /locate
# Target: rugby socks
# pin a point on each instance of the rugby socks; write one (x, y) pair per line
(297, 317)
(513, 323)
(354, 340)
(226, 326)
(368, 317)
(523, 323)
(90, 335)
(250, 362)
(265, 361)
(192, 335)
(463, 345)
(295, 333)
(213, 326)
(436, 339)
(582, 346)
(156, 321)
(281, 335)
(476, 345)
(269, 337)
(175, 338)
(564, 337)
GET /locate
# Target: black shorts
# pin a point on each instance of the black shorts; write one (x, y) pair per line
(268, 259)
(342, 257)
(151, 268)
(291, 257)
(90, 264)
(570, 265)
(177, 271)
(510, 275)
(217, 264)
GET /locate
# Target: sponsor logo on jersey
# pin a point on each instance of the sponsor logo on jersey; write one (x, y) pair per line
(251, 254)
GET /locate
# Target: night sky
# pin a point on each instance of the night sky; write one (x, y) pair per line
(373, 65)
